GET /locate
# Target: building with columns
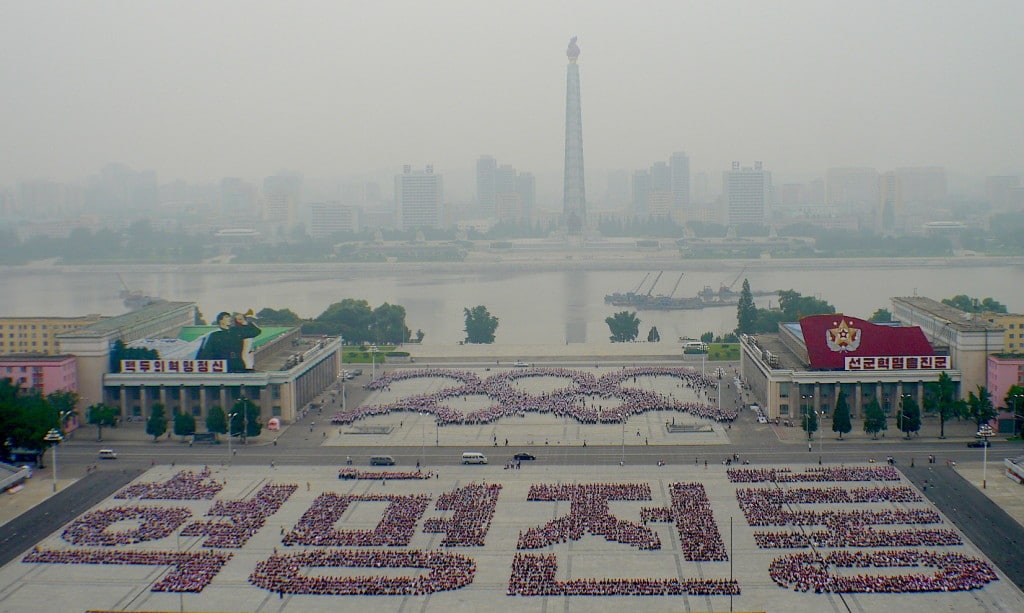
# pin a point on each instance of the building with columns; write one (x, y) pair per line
(804, 366)
(290, 370)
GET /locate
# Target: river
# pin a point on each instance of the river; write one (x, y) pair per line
(545, 302)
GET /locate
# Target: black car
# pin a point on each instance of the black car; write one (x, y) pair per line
(980, 444)
(522, 455)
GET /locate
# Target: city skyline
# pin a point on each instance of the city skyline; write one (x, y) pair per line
(242, 89)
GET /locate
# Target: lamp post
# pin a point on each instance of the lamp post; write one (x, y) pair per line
(984, 431)
(231, 418)
(423, 438)
(373, 362)
(54, 436)
(622, 459)
(902, 415)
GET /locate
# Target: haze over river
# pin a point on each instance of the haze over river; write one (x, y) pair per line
(541, 303)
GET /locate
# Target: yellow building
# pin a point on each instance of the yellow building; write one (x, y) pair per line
(1013, 330)
(38, 335)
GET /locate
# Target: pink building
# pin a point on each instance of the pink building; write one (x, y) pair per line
(1005, 371)
(44, 373)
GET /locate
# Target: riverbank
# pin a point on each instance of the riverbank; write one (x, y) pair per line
(538, 261)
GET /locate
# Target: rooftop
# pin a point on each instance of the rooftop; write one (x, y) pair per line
(127, 320)
(960, 320)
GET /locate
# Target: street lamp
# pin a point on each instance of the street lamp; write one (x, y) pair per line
(231, 418)
(901, 416)
(54, 436)
(984, 431)
(373, 362)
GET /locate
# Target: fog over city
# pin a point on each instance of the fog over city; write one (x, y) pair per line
(340, 90)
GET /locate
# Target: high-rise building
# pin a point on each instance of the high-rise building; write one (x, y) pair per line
(486, 192)
(746, 194)
(326, 218)
(574, 199)
(679, 165)
(641, 192)
(418, 198)
(526, 187)
(281, 194)
(852, 189)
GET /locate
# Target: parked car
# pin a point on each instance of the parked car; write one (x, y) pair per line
(522, 455)
(980, 444)
(108, 454)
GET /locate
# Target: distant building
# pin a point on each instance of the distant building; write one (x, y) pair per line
(44, 373)
(968, 338)
(679, 165)
(641, 189)
(486, 190)
(746, 191)
(38, 335)
(1013, 331)
(418, 198)
(281, 196)
(326, 218)
(854, 189)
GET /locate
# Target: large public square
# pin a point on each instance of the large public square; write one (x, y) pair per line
(275, 528)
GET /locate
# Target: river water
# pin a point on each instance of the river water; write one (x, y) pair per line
(543, 304)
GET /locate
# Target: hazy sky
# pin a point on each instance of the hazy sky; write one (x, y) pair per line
(202, 90)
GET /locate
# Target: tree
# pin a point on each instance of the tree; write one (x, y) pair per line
(1014, 401)
(979, 407)
(284, 317)
(216, 420)
(909, 416)
(624, 326)
(184, 424)
(973, 305)
(653, 336)
(707, 337)
(101, 415)
(941, 395)
(419, 336)
(480, 325)
(881, 316)
(246, 419)
(874, 418)
(388, 325)
(156, 425)
(349, 319)
(809, 421)
(841, 416)
(796, 306)
(746, 312)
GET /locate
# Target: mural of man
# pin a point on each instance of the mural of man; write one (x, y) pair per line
(228, 341)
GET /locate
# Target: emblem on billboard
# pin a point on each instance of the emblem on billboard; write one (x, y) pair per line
(843, 338)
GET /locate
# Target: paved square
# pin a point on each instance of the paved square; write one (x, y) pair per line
(593, 526)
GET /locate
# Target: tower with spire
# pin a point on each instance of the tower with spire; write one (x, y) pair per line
(574, 200)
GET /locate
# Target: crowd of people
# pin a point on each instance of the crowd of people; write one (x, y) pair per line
(535, 575)
(192, 571)
(288, 574)
(699, 536)
(245, 517)
(765, 507)
(954, 572)
(858, 536)
(814, 474)
(384, 475)
(316, 527)
(583, 400)
(185, 485)
(589, 512)
(473, 507)
(153, 523)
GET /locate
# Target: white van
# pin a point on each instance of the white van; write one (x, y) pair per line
(472, 457)
(382, 460)
(108, 454)
(695, 346)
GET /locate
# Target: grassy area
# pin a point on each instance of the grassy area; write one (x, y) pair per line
(361, 354)
(724, 352)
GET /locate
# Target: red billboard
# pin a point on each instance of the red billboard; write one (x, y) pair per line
(830, 339)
